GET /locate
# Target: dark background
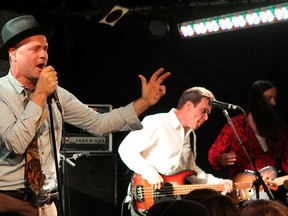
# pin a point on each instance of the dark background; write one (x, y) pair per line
(99, 63)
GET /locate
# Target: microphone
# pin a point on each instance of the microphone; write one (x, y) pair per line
(222, 105)
(54, 95)
(77, 155)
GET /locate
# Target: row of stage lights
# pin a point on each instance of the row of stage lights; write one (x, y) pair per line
(234, 21)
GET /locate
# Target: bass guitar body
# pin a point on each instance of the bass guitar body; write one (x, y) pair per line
(144, 196)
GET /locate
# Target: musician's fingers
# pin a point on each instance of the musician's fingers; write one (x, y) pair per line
(227, 189)
(230, 163)
(230, 188)
(224, 192)
(157, 186)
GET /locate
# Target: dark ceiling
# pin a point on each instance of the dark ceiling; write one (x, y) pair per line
(88, 8)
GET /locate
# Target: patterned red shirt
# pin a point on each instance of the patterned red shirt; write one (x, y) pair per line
(228, 142)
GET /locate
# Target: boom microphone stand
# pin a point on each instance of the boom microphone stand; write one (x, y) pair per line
(49, 102)
(259, 181)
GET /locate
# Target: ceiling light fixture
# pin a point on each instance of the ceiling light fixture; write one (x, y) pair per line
(234, 21)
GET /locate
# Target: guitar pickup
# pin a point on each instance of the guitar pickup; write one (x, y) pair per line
(139, 193)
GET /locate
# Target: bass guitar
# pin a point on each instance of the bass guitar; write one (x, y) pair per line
(144, 196)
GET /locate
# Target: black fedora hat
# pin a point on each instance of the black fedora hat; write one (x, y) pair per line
(20, 28)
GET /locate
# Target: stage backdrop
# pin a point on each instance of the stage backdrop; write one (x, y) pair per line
(99, 64)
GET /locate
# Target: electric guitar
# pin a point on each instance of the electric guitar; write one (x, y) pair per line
(143, 196)
(268, 174)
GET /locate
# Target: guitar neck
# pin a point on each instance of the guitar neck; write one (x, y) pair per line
(185, 189)
(280, 180)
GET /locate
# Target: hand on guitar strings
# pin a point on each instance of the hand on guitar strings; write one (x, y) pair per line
(228, 185)
(157, 183)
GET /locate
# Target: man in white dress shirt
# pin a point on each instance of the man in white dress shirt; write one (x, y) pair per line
(163, 146)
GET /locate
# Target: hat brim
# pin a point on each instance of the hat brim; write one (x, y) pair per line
(46, 30)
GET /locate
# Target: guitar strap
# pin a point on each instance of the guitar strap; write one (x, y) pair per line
(193, 143)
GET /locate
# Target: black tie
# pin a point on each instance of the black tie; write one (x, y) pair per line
(27, 94)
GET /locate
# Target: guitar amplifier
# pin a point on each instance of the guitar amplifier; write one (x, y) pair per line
(78, 140)
(91, 185)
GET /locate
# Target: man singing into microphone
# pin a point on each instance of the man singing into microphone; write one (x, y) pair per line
(24, 121)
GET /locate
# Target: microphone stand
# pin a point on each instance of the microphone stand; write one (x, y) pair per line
(259, 181)
(67, 160)
(49, 102)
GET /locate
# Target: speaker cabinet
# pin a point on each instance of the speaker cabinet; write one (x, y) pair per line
(91, 186)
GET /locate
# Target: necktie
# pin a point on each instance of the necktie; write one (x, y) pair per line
(33, 172)
(27, 94)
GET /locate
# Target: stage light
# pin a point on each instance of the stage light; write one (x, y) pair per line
(234, 21)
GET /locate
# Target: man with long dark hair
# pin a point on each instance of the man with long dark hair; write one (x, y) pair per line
(263, 133)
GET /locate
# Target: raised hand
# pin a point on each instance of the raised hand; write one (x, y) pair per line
(152, 90)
